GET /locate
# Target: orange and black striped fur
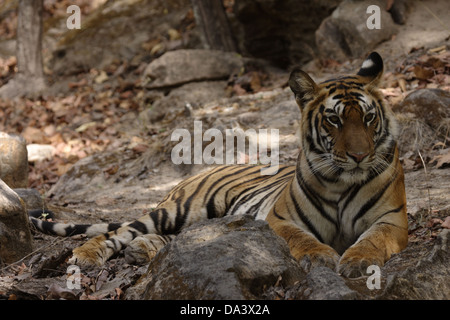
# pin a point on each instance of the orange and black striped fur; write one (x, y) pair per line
(342, 205)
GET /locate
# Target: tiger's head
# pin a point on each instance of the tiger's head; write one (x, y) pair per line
(348, 135)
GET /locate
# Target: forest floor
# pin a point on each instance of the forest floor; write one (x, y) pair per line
(113, 164)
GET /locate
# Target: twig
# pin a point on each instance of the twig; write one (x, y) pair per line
(427, 179)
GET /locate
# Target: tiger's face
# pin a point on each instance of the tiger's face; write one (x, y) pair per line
(347, 133)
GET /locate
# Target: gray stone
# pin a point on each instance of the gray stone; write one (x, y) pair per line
(399, 10)
(322, 284)
(428, 279)
(32, 198)
(13, 160)
(40, 152)
(106, 30)
(280, 31)
(178, 67)
(431, 106)
(15, 236)
(190, 95)
(345, 34)
(227, 258)
(197, 93)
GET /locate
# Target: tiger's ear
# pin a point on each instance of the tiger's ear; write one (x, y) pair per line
(303, 87)
(372, 69)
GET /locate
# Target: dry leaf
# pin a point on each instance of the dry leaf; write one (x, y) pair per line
(423, 73)
(140, 148)
(85, 126)
(389, 4)
(57, 292)
(442, 160)
(102, 77)
(446, 223)
(101, 279)
(119, 294)
(431, 223)
(81, 83)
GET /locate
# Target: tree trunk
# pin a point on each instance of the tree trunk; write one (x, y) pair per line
(30, 76)
(213, 22)
(29, 38)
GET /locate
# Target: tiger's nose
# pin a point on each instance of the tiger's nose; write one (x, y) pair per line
(357, 156)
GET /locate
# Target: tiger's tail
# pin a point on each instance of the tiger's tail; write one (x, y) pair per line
(38, 219)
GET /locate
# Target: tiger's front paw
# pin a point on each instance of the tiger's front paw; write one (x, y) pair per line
(92, 253)
(144, 248)
(354, 262)
(140, 251)
(319, 257)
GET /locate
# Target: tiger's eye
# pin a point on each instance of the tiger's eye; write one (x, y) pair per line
(334, 120)
(369, 117)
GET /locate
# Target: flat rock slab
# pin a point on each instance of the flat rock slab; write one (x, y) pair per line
(175, 68)
(345, 33)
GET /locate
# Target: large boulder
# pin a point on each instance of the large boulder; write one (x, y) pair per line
(423, 116)
(192, 94)
(345, 33)
(179, 67)
(322, 284)
(428, 105)
(428, 278)
(234, 257)
(15, 236)
(104, 32)
(13, 160)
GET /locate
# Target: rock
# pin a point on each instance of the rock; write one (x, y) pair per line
(15, 236)
(428, 279)
(40, 152)
(345, 34)
(423, 116)
(189, 95)
(196, 94)
(238, 258)
(280, 31)
(322, 284)
(113, 24)
(248, 118)
(399, 11)
(234, 257)
(13, 160)
(175, 68)
(431, 106)
(31, 197)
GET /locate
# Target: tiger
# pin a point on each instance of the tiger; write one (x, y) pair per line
(341, 206)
